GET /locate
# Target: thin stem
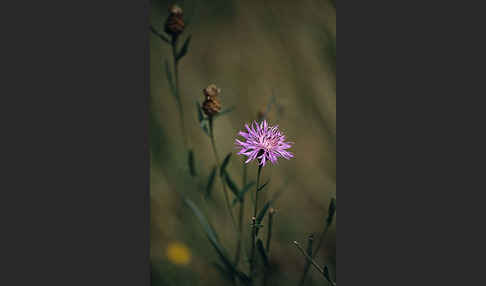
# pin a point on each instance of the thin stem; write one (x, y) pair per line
(240, 221)
(269, 229)
(271, 212)
(324, 272)
(311, 261)
(177, 95)
(215, 151)
(254, 226)
(319, 244)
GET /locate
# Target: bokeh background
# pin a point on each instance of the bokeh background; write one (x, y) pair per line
(261, 53)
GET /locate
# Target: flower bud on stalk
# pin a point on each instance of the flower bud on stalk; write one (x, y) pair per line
(174, 25)
(211, 105)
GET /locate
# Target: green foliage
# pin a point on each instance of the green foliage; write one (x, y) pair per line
(242, 193)
(225, 163)
(210, 183)
(190, 159)
(184, 49)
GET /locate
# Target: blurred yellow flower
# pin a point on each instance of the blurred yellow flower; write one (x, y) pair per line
(178, 253)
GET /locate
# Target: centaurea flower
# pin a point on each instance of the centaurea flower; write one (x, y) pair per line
(263, 142)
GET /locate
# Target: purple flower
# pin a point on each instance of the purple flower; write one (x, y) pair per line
(264, 143)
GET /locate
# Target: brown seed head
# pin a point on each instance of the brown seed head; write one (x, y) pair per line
(175, 22)
(174, 9)
(211, 91)
(211, 104)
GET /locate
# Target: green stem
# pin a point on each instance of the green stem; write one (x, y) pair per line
(215, 151)
(269, 238)
(313, 263)
(269, 230)
(240, 221)
(177, 91)
(319, 244)
(254, 226)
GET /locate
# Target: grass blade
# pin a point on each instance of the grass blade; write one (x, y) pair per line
(192, 167)
(161, 36)
(200, 116)
(327, 276)
(312, 262)
(310, 241)
(224, 272)
(261, 215)
(205, 128)
(231, 184)
(170, 80)
(213, 239)
(210, 184)
(242, 193)
(263, 186)
(184, 49)
(331, 211)
(263, 253)
(225, 163)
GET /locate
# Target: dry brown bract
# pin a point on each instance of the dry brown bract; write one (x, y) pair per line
(175, 23)
(211, 104)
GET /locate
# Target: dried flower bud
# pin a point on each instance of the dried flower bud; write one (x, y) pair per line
(211, 105)
(175, 23)
(174, 9)
(272, 211)
(212, 91)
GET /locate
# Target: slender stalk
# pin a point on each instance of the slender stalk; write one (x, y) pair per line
(218, 164)
(319, 244)
(254, 226)
(177, 91)
(240, 221)
(311, 261)
(321, 240)
(271, 212)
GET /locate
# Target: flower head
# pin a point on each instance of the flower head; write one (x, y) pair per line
(175, 22)
(178, 253)
(211, 105)
(263, 142)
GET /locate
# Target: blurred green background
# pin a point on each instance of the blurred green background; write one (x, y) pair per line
(257, 52)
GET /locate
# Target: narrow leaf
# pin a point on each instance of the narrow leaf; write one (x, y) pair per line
(203, 221)
(310, 241)
(224, 272)
(161, 36)
(331, 211)
(263, 186)
(184, 48)
(205, 128)
(192, 167)
(200, 116)
(262, 252)
(212, 237)
(261, 215)
(231, 184)
(210, 184)
(170, 80)
(327, 276)
(225, 163)
(242, 193)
